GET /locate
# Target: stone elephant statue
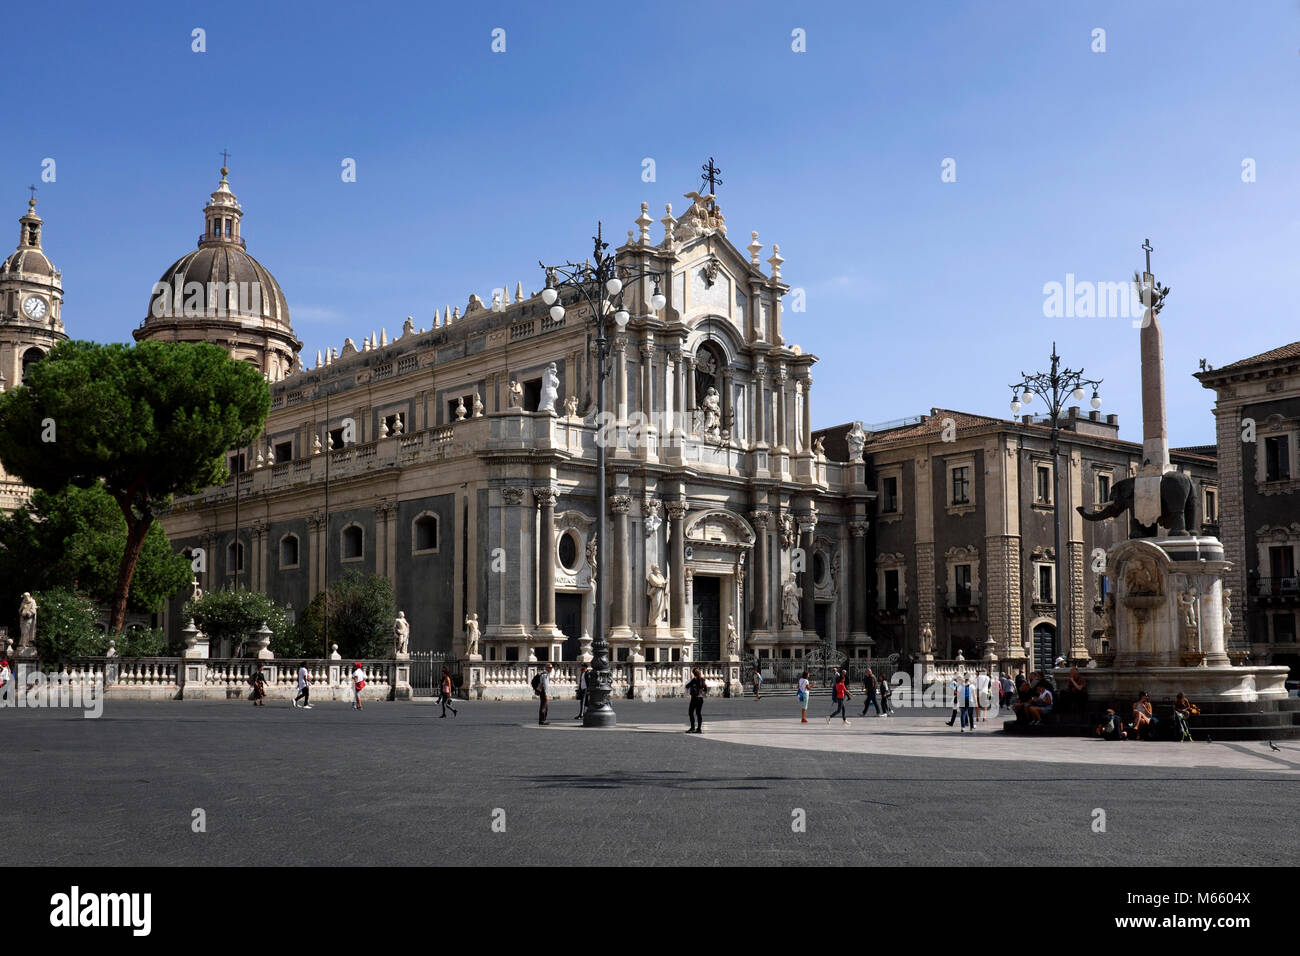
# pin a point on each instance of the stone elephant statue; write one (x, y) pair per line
(1177, 506)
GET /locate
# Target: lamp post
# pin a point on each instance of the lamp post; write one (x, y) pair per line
(1054, 388)
(600, 282)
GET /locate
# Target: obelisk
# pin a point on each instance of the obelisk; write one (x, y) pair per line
(1155, 435)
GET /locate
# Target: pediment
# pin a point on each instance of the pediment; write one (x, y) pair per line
(719, 527)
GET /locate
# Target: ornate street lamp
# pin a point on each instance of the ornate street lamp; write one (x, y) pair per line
(601, 283)
(1054, 388)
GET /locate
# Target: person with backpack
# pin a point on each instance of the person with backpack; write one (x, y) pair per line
(258, 680)
(582, 691)
(885, 693)
(805, 691)
(358, 684)
(952, 686)
(542, 688)
(757, 679)
(841, 695)
(869, 691)
(444, 693)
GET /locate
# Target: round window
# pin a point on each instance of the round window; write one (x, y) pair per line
(819, 568)
(569, 551)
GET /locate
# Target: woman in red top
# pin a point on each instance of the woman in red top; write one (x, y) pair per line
(841, 694)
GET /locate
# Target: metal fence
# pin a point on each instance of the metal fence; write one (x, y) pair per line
(426, 672)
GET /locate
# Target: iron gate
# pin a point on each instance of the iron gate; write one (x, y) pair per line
(426, 672)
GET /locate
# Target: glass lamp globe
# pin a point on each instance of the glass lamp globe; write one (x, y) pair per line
(557, 312)
(1015, 406)
(1027, 396)
(658, 301)
(1096, 400)
(614, 286)
(621, 317)
(549, 296)
(1077, 394)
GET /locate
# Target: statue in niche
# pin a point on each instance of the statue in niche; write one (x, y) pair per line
(471, 633)
(927, 638)
(712, 408)
(401, 634)
(790, 595)
(515, 395)
(1187, 599)
(657, 589)
(550, 389)
(1142, 578)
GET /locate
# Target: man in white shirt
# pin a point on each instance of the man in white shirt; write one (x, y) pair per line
(358, 684)
(304, 688)
(4, 678)
(544, 691)
(983, 685)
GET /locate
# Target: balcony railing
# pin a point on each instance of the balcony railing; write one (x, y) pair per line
(1276, 589)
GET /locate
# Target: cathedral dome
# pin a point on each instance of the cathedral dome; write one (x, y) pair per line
(220, 294)
(30, 262)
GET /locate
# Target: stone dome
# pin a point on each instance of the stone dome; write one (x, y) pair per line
(232, 282)
(30, 262)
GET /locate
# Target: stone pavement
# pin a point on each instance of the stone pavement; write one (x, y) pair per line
(394, 784)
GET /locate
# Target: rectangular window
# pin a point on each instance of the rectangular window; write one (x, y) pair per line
(237, 464)
(1043, 491)
(1211, 506)
(1046, 580)
(1277, 458)
(1283, 628)
(889, 495)
(336, 438)
(961, 485)
(891, 590)
(512, 653)
(1103, 488)
(283, 451)
(961, 577)
(1281, 562)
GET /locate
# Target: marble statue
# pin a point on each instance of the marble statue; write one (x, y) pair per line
(927, 639)
(1227, 613)
(591, 554)
(1142, 578)
(733, 637)
(857, 439)
(471, 633)
(550, 389)
(515, 395)
(790, 595)
(1188, 600)
(787, 532)
(571, 406)
(26, 622)
(819, 447)
(712, 406)
(401, 634)
(657, 588)
(461, 411)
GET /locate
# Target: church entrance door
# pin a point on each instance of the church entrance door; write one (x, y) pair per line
(568, 618)
(707, 591)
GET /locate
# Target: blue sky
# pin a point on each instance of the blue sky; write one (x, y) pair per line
(472, 165)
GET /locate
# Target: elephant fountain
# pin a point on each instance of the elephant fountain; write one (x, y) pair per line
(1177, 506)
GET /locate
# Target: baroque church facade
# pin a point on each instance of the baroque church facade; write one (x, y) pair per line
(459, 460)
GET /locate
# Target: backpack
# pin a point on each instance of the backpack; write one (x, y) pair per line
(537, 684)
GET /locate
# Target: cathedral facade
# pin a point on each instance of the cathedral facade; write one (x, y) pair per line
(459, 461)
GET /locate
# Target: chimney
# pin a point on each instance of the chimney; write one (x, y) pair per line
(1026, 419)
(1094, 416)
(1112, 420)
(1074, 411)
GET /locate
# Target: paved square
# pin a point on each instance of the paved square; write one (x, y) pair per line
(397, 784)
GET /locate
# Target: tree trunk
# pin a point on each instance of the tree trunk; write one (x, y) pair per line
(137, 529)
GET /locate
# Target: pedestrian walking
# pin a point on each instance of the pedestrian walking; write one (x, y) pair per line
(841, 695)
(952, 689)
(885, 694)
(358, 684)
(5, 676)
(969, 700)
(444, 693)
(582, 691)
(304, 687)
(983, 687)
(542, 687)
(697, 689)
(869, 690)
(258, 680)
(757, 680)
(805, 688)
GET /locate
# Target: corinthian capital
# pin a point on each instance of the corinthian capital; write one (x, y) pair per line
(545, 497)
(620, 504)
(676, 509)
(760, 519)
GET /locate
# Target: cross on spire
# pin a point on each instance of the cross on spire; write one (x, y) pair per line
(711, 177)
(32, 190)
(225, 162)
(1146, 245)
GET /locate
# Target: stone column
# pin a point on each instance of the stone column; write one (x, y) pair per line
(688, 378)
(859, 530)
(677, 575)
(545, 498)
(620, 362)
(621, 561)
(808, 613)
(760, 619)
(756, 423)
(807, 416)
(727, 411)
(647, 378)
(779, 440)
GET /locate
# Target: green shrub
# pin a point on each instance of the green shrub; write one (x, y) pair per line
(236, 616)
(66, 626)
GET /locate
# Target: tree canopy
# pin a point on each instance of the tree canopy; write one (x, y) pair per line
(151, 421)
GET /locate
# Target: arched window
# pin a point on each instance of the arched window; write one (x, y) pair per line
(234, 557)
(568, 553)
(289, 551)
(30, 358)
(424, 533)
(354, 543)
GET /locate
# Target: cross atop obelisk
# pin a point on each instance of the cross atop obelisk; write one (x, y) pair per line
(1155, 434)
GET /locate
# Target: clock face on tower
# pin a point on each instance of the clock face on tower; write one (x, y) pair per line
(34, 307)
